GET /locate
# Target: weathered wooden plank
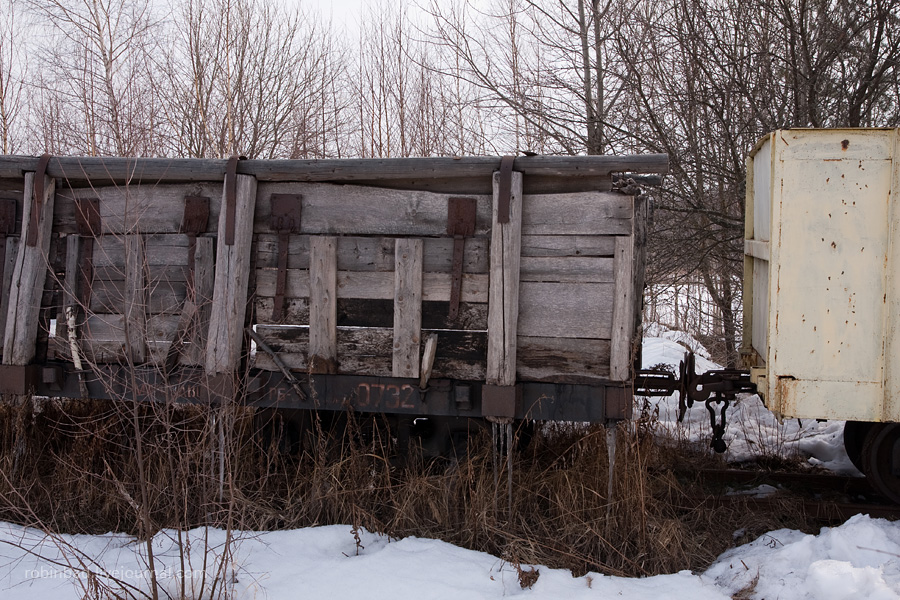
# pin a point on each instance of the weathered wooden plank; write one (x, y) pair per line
(567, 310)
(562, 360)
(375, 285)
(374, 253)
(407, 307)
(503, 308)
(356, 312)
(567, 269)
(29, 274)
(623, 312)
(159, 250)
(229, 302)
(130, 208)
(568, 245)
(585, 213)
(323, 292)
(153, 274)
(355, 210)
(135, 307)
(204, 289)
(152, 170)
(111, 327)
(368, 351)
(12, 251)
(161, 296)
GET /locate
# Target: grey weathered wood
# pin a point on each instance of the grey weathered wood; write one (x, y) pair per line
(323, 304)
(146, 208)
(407, 307)
(161, 296)
(229, 302)
(623, 312)
(12, 251)
(566, 310)
(568, 245)
(204, 289)
(356, 210)
(29, 274)
(135, 308)
(503, 309)
(72, 281)
(562, 360)
(357, 253)
(375, 285)
(428, 354)
(568, 269)
(152, 170)
(159, 250)
(585, 213)
(368, 351)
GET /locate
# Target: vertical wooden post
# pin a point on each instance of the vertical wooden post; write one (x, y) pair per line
(204, 284)
(29, 273)
(322, 304)
(407, 307)
(135, 300)
(12, 252)
(623, 310)
(229, 301)
(503, 308)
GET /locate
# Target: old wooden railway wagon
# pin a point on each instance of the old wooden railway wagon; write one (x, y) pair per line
(449, 287)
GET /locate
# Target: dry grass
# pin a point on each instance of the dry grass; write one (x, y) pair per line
(73, 466)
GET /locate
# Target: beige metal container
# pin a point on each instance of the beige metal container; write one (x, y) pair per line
(822, 273)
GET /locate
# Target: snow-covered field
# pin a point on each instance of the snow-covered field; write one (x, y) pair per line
(859, 559)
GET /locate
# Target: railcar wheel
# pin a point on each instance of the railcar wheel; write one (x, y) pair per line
(881, 458)
(855, 433)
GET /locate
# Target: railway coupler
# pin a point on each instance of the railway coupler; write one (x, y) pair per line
(717, 387)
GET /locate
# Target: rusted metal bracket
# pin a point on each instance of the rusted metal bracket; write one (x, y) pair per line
(194, 223)
(37, 200)
(460, 224)
(500, 401)
(284, 219)
(88, 225)
(506, 168)
(230, 198)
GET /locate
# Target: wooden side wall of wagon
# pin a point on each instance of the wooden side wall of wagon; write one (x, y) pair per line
(454, 287)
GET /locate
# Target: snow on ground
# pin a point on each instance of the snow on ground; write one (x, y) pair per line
(859, 559)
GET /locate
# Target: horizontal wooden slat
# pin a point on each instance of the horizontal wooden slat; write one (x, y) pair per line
(368, 351)
(586, 213)
(110, 351)
(568, 269)
(75, 169)
(159, 250)
(112, 327)
(163, 296)
(376, 285)
(137, 208)
(154, 274)
(348, 210)
(562, 360)
(373, 253)
(358, 312)
(565, 310)
(568, 245)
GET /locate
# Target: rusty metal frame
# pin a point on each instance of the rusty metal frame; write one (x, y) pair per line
(461, 214)
(284, 219)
